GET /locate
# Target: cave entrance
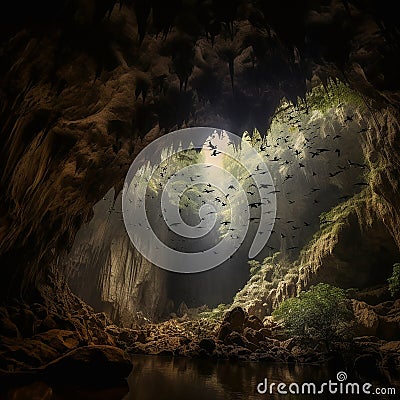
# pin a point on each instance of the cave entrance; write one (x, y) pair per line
(315, 155)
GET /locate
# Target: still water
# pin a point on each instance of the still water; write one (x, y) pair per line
(164, 378)
(158, 378)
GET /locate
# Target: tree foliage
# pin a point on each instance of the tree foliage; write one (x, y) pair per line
(394, 280)
(323, 313)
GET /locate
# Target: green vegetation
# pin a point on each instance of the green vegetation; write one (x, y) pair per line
(265, 276)
(333, 94)
(322, 313)
(216, 313)
(326, 96)
(271, 270)
(334, 220)
(394, 280)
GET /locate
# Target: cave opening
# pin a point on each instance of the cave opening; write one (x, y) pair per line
(315, 152)
(312, 89)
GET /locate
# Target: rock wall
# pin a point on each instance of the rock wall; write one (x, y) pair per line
(358, 248)
(104, 269)
(358, 243)
(82, 95)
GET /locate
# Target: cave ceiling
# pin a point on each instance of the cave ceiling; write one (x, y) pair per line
(85, 85)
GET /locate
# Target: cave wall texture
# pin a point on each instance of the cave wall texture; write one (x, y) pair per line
(85, 85)
(106, 271)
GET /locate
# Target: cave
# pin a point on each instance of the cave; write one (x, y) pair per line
(287, 117)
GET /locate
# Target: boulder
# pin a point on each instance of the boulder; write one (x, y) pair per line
(96, 366)
(224, 331)
(182, 309)
(366, 320)
(47, 323)
(236, 318)
(254, 322)
(272, 330)
(141, 337)
(388, 328)
(25, 354)
(266, 357)
(238, 352)
(137, 348)
(60, 340)
(253, 336)
(24, 319)
(236, 339)
(207, 344)
(289, 344)
(128, 335)
(8, 328)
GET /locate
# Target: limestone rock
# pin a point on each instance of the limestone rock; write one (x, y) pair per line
(254, 322)
(207, 344)
(366, 319)
(236, 318)
(224, 331)
(25, 354)
(60, 340)
(182, 309)
(130, 290)
(253, 336)
(389, 328)
(24, 319)
(7, 327)
(391, 346)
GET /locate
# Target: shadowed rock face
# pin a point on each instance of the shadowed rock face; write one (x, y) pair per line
(104, 269)
(83, 94)
(85, 85)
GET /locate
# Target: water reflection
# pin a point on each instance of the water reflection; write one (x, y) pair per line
(44, 391)
(187, 379)
(163, 378)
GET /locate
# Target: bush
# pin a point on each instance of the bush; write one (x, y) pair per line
(394, 280)
(322, 313)
(216, 313)
(255, 267)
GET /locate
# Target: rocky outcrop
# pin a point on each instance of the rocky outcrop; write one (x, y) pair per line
(240, 336)
(366, 221)
(80, 97)
(367, 321)
(381, 320)
(59, 333)
(124, 285)
(354, 249)
(79, 110)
